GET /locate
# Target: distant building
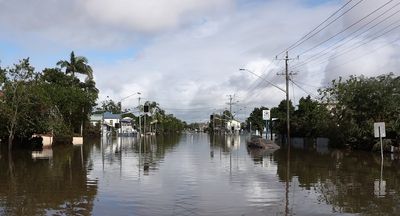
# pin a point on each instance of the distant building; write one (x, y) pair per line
(127, 127)
(232, 126)
(96, 119)
(110, 121)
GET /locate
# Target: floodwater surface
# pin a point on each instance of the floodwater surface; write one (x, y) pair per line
(196, 174)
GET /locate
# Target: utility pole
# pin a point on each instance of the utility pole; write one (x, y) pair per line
(287, 77)
(140, 121)
(231, 97)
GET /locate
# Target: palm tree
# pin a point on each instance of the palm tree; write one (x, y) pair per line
(76, 64)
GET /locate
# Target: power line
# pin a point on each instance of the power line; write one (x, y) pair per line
(369, 53)
(341, 43)
(301, 88)
(315, 33)
(337, 11)
(353, 46)
(350, 49)
(252, 87)
(355, 23)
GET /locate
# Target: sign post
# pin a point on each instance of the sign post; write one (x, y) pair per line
(380, 131)
(266, 114)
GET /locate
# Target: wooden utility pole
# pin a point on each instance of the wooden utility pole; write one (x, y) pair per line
(231, 97)
(140, 121)
(287, 77)
(287, 98)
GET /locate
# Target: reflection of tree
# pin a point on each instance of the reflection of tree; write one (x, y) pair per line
(60, 185)
(345, 180)
(258, 154)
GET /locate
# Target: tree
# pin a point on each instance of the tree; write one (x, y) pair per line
(358, 102)
(256, 119)
(71, 100)
(110, 106)
(76, 64)
(280, 113)
(311, 119)
(15, 107)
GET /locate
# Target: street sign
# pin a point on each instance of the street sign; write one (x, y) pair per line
(266, 114)
(379, 129)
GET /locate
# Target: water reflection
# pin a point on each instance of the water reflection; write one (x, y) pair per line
(197, 174)
(146, 152)
(57, 185)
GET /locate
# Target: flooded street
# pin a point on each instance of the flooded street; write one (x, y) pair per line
(196, 174)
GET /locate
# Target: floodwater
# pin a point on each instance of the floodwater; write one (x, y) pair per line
(197, 174)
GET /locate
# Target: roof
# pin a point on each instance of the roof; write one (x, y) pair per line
(96, 117)
(109, 115)
(127, 119)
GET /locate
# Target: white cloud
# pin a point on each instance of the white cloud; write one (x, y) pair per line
(194, 48)
(197, 67)
(150, 15)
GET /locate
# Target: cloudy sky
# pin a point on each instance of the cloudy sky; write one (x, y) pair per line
(186, 54)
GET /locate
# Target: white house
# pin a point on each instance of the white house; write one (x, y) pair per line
(111, 120)
(127, 128)
(233, 126)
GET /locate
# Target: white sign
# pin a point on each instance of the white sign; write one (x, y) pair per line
(266, 114)
(379, 129)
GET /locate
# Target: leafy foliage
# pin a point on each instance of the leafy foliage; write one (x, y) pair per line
(45, 102)
(358, 102)
(255, 119)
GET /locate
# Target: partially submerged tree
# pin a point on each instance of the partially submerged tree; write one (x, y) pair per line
(17, 83)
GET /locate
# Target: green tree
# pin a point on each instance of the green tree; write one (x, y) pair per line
(256, 119)
(110, 106)
(280, 113)
(76, 64)
(358, 102)
(311, 119)
(17, 98)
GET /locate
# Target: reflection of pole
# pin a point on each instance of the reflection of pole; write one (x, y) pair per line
(380, 180)
(230, 161)
(144, 124)
(102, 151)
(380, 137)
(140, 153)
(82, 155)
(287, 190)
(83, 110)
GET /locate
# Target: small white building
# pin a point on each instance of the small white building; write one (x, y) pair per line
(127, 128)
(233, 126)
(110, 121)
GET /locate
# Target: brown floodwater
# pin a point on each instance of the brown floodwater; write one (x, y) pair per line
(197, 174)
